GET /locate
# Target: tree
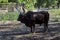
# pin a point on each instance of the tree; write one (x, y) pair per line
(29, 4)
(58, 3)
(45, 3)
(3, 1)
(13, 1)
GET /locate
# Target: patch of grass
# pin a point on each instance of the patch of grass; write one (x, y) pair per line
(55, 11)
(9, 16)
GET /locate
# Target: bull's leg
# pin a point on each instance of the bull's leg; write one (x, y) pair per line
(32, 26)
(32, 29)
(45, 27)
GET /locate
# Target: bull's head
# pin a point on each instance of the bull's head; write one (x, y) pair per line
(20, 9)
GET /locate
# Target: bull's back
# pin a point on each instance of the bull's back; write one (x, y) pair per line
(40, 17)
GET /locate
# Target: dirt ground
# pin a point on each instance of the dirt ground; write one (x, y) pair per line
(18, 31)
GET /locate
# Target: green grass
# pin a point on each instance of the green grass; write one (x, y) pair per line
(55, 11)
(9, 16)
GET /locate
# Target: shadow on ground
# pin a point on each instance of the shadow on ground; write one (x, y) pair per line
(21, 32)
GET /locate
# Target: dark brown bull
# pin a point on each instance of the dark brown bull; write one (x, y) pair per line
(32, 18)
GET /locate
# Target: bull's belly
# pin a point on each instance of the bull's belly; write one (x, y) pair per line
(39, 22)
(30, 23)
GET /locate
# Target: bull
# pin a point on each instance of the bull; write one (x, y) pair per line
(31, 18)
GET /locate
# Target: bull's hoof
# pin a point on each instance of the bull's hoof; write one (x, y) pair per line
(45, 31)
(32, 31)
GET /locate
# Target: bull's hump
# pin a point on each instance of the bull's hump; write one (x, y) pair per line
(34, 15)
